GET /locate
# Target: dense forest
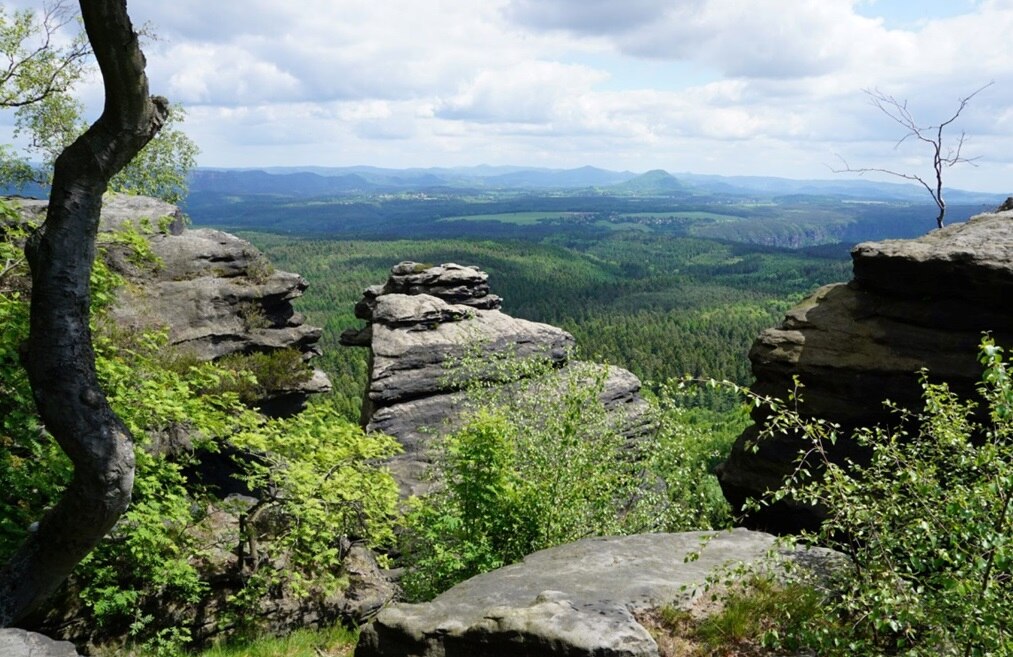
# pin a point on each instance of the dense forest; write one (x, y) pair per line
(177, 489)
(658, 275)
(660, 306)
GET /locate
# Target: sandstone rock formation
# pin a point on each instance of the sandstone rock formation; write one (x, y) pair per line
(215, 293)
(912, 304)
(19, 643)
(422, 324)
(576, 599)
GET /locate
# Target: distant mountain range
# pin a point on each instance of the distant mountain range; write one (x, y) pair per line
(306, 182)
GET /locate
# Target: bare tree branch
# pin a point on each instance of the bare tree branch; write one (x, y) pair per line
(898, 112)
(10, 266)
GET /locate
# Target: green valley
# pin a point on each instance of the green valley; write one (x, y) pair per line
(661, 306)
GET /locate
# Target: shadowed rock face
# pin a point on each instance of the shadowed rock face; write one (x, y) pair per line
(912, 304)
(214, 292)
(424, 322)
(579, 599)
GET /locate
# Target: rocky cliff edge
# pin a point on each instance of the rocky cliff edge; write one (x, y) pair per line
(215, 293)
(912, 304)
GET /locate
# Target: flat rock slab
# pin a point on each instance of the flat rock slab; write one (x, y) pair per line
(21, 643)
(574, 599)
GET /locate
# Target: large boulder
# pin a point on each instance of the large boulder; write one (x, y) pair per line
(431, 332)
(579, 599)
(912, 304)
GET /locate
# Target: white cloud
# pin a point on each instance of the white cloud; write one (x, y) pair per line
(574, 82)
(585, 16)
(528, 92)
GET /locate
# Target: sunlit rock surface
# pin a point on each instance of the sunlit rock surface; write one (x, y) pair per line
(423, 324)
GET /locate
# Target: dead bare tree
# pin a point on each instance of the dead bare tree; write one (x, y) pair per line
(943, 157)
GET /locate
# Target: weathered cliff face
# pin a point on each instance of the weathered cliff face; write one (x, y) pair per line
(214, 292)
(912, 304)
(422, 325)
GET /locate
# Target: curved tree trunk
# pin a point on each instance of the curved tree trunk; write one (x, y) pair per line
(60, 360)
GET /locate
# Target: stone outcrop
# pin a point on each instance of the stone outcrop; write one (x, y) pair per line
(214, 292)
(912, 304)
(578, 599)
(19, 643)
(423, 325)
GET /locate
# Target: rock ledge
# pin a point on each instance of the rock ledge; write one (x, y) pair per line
(912, 304)
(578, 599)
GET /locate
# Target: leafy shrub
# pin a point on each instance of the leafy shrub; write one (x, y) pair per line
(927, 523)
(282, 369)
(541, 462)
(319, 472)
(315, 474)
(32, 468)
(691, 442)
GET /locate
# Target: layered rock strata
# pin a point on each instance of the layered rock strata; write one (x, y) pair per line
(215, 293)
(912, 304)
(580, 599)
(432, 331)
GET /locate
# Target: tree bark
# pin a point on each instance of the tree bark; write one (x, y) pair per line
(60, 360)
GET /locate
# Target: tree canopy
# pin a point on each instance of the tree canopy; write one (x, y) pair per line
(41, 66)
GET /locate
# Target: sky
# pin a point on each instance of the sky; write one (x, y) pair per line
(730, 87)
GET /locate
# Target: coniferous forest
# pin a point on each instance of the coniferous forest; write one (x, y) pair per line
(661, 308)
(179, 478)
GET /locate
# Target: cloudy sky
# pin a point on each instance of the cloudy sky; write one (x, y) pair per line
(763, 87)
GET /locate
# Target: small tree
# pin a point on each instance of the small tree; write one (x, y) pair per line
(943, 157)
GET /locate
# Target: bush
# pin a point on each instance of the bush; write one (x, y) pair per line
(926, 523)
(282, 369)
(691, 442)
(540, 462)
(314, 473)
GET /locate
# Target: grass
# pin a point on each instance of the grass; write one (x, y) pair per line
(334, 641)
(757, 618)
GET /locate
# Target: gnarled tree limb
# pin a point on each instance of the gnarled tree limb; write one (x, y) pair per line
(60, 360)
